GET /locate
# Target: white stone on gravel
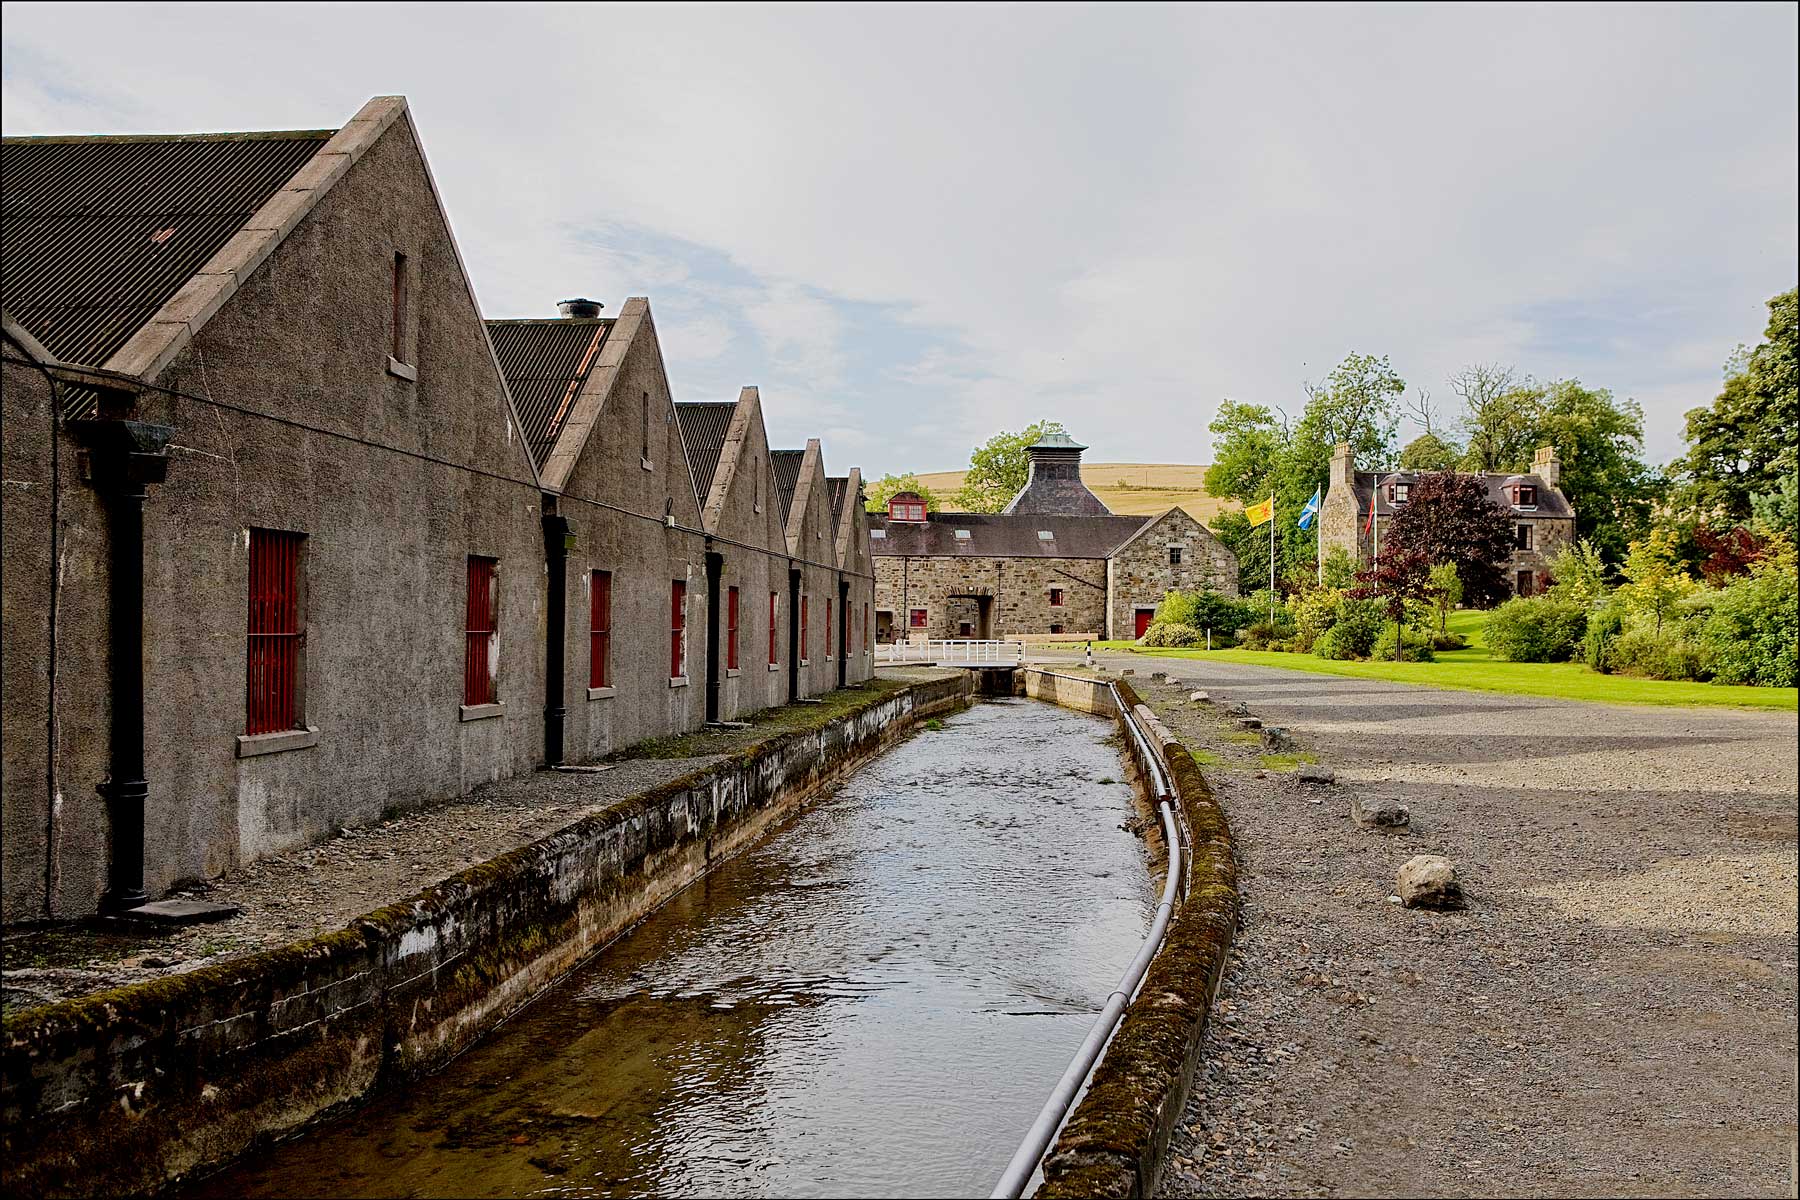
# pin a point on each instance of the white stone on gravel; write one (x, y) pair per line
(1429, 881)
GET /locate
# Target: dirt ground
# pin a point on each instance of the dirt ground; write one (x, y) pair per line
(1614, 1013)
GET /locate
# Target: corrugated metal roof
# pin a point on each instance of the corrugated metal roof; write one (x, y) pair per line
(704, 425)
(835, 485)
(785, 465)
(1005, 536)
(545, 363)
(100, 232)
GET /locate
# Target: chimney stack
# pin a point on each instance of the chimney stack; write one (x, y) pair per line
(1343, 468)
(1547, 466)
(579, 307)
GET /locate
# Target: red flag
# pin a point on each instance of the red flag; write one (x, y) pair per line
(1371, 520)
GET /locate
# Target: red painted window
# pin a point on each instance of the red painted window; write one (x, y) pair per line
(600, 629)
(917, 618)
(275, 636)
(677, 629)
(731, 628)
(1056, 597)
(481, 648)
(828, 608)
(772, 642)
(803, 607)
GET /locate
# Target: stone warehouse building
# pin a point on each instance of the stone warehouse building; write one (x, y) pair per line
(1055, 561)
(294, 538)
(1543, 518)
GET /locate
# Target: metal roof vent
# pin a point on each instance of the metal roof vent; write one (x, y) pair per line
(579, 307)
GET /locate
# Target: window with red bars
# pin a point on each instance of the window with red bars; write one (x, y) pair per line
(803, 607)
(1056, 597)
(828, 611)
(773, 643)
(731, 628)
(600, 630)
(677, 629)
(275, 633)
(481, 651)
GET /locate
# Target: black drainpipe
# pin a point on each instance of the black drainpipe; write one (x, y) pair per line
(557, 537)
(127, 457)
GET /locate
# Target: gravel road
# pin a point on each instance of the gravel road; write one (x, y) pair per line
(1613, 1014)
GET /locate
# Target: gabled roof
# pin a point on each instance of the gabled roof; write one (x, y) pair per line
(545, 362)
(785, 464)
(101, 232)
(835, 486)
(1551, 503)
(1004, 535)
(704, 426)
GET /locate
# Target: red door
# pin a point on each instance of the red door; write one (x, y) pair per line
(1144, 617)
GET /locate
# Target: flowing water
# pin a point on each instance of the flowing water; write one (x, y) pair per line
(874, 1000)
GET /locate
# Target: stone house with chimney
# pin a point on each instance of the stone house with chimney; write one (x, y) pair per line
(293, 538)
(1356, 503)
(1055, 562)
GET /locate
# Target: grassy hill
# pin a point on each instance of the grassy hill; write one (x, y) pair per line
(1132, 489)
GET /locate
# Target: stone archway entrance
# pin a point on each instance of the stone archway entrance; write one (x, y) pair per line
(971, 615)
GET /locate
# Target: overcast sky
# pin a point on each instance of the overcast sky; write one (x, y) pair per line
(914, 227)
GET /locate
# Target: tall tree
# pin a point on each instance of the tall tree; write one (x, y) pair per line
(998, 469)
(1448, 518)
(885, 488)
(1358, 403)
(1497, 403)
(1249, 441)
(1399, 577)
(1600, 440)
(1743, 445)
(1429, 452)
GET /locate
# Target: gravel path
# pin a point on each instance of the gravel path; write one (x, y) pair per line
(1613, 1014)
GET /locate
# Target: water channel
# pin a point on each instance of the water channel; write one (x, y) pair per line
(874, 1000)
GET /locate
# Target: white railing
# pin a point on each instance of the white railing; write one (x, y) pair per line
(951, 651)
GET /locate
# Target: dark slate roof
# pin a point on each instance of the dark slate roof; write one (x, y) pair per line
(1551, 502)
(545, 363)
(101, 232)
(1004, 535)
(785, 464)
(837, 485)
(704, 425)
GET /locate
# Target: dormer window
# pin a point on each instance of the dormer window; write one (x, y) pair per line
(1398, 493)
(906, 506)
(1524, 495)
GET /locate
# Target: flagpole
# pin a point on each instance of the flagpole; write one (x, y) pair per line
(1319, 539)
(1271, 559)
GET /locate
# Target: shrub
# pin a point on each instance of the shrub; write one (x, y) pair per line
(1418, 646)
(1206, 610)
(1314, 613)
(1751, 633)
(1264, 636)
(1172, 633)
(1354, 628)
(1603, 627)
(1449, 641)
(1668, 655)
(1535, 630)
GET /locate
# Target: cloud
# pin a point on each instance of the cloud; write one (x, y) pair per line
(914, 227)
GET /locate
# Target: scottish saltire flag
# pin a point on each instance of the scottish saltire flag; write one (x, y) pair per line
(1310, 511)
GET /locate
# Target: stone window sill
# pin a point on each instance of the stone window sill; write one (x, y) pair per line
(678, 681)
(732, 672)
(599, 693)
(250, 745)
(482, 712)
(647, 464)
(774, 666)
(806, 662)
(402, 370)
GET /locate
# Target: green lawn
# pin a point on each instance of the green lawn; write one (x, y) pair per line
(1477, 670)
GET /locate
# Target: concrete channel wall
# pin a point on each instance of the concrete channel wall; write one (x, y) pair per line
(1114, 1141)
(125, 1091)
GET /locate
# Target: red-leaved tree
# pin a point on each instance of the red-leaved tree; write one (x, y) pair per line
(1448, 518)
(1727, 554)
(1398, 577)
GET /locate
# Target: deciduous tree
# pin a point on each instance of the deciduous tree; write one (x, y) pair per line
(999, 468)
(1448, 518)
(1743, 445)
(884, 489)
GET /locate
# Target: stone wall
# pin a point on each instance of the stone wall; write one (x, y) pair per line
(1550, 536)
(1017, 591)
(1140, 573)
(123, 1092)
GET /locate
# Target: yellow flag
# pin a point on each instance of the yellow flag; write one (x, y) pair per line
(1261, 513)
